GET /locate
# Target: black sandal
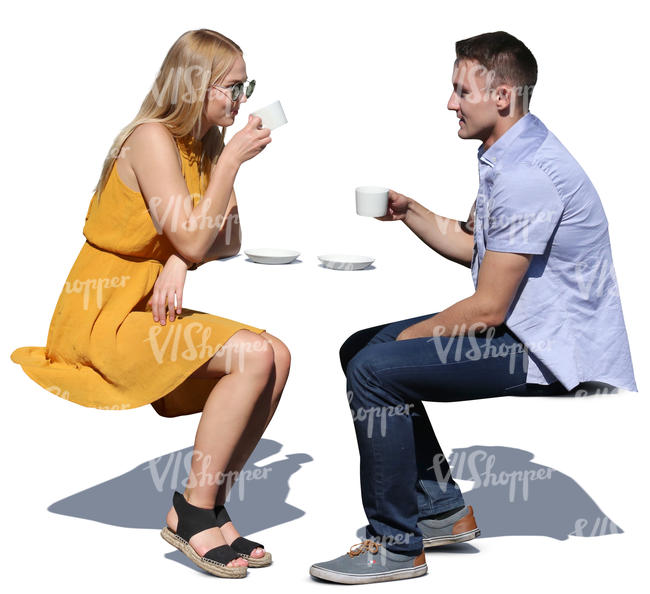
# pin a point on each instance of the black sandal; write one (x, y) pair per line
(191, 520)
(242, 546)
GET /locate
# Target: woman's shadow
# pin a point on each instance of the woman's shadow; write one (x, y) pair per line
(141, 497)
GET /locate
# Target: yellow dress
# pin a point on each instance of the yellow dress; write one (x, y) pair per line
(103, 348)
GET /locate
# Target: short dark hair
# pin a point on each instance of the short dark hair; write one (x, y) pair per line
(505, 56)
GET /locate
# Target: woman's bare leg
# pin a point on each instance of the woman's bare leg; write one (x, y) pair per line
(261, 417)
(263, 413)
(259, 420)
(226, 415)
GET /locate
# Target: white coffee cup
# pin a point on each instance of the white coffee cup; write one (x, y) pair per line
(272, 115)
(372, 201)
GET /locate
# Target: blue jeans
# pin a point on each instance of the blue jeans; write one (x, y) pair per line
(404, 474)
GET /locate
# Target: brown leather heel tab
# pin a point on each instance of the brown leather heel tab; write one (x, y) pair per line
(419, 560)
(466, 523)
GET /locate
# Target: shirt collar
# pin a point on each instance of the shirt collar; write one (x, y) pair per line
(491, 155)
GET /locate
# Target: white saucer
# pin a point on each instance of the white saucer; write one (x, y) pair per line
(272, 255)
(345, 261)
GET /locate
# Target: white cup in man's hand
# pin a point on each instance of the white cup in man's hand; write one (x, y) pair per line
(372, 201)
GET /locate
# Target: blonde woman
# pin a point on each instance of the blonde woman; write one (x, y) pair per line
(120, 337)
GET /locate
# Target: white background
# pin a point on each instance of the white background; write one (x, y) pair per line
(364, 86)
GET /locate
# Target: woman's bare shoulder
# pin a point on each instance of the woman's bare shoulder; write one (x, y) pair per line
(150, 139)
(150, 134)
(145, 145)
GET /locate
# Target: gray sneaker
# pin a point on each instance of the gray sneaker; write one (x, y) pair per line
(458, 527)
(370, 562)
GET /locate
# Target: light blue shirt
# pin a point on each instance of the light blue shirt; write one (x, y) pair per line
(534, 198)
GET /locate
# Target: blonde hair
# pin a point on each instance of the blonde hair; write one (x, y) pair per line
(196, 60)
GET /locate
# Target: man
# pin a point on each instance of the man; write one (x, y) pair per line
(545, 316)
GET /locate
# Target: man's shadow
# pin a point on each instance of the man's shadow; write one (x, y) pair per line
(514, 496)
(141, 497)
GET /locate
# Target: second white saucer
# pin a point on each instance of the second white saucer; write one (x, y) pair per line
(345, 261)
(271, 255)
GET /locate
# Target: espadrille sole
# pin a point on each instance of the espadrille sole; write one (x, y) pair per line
(209, 565)
(257, 561)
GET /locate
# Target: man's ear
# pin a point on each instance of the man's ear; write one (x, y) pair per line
(505, 98)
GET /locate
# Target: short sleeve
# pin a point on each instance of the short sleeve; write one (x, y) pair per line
(523, 211)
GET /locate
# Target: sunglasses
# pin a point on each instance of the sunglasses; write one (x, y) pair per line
(237, 88)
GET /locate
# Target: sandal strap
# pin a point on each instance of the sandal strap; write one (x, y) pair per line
(244, 546)
(191, 519)
(221, 515)
(222, 554)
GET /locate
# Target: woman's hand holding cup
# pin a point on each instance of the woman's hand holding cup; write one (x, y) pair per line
(249, 141)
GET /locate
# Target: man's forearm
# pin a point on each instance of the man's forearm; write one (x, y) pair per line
(471, 315)
(441, 234)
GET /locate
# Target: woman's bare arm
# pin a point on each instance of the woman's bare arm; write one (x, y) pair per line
(228, 240)
(154, 160)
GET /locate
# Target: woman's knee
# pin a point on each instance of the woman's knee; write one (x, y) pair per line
(282, 364)
(249, 353)
(281, 354)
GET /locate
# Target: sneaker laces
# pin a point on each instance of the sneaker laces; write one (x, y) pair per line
(366, 546)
